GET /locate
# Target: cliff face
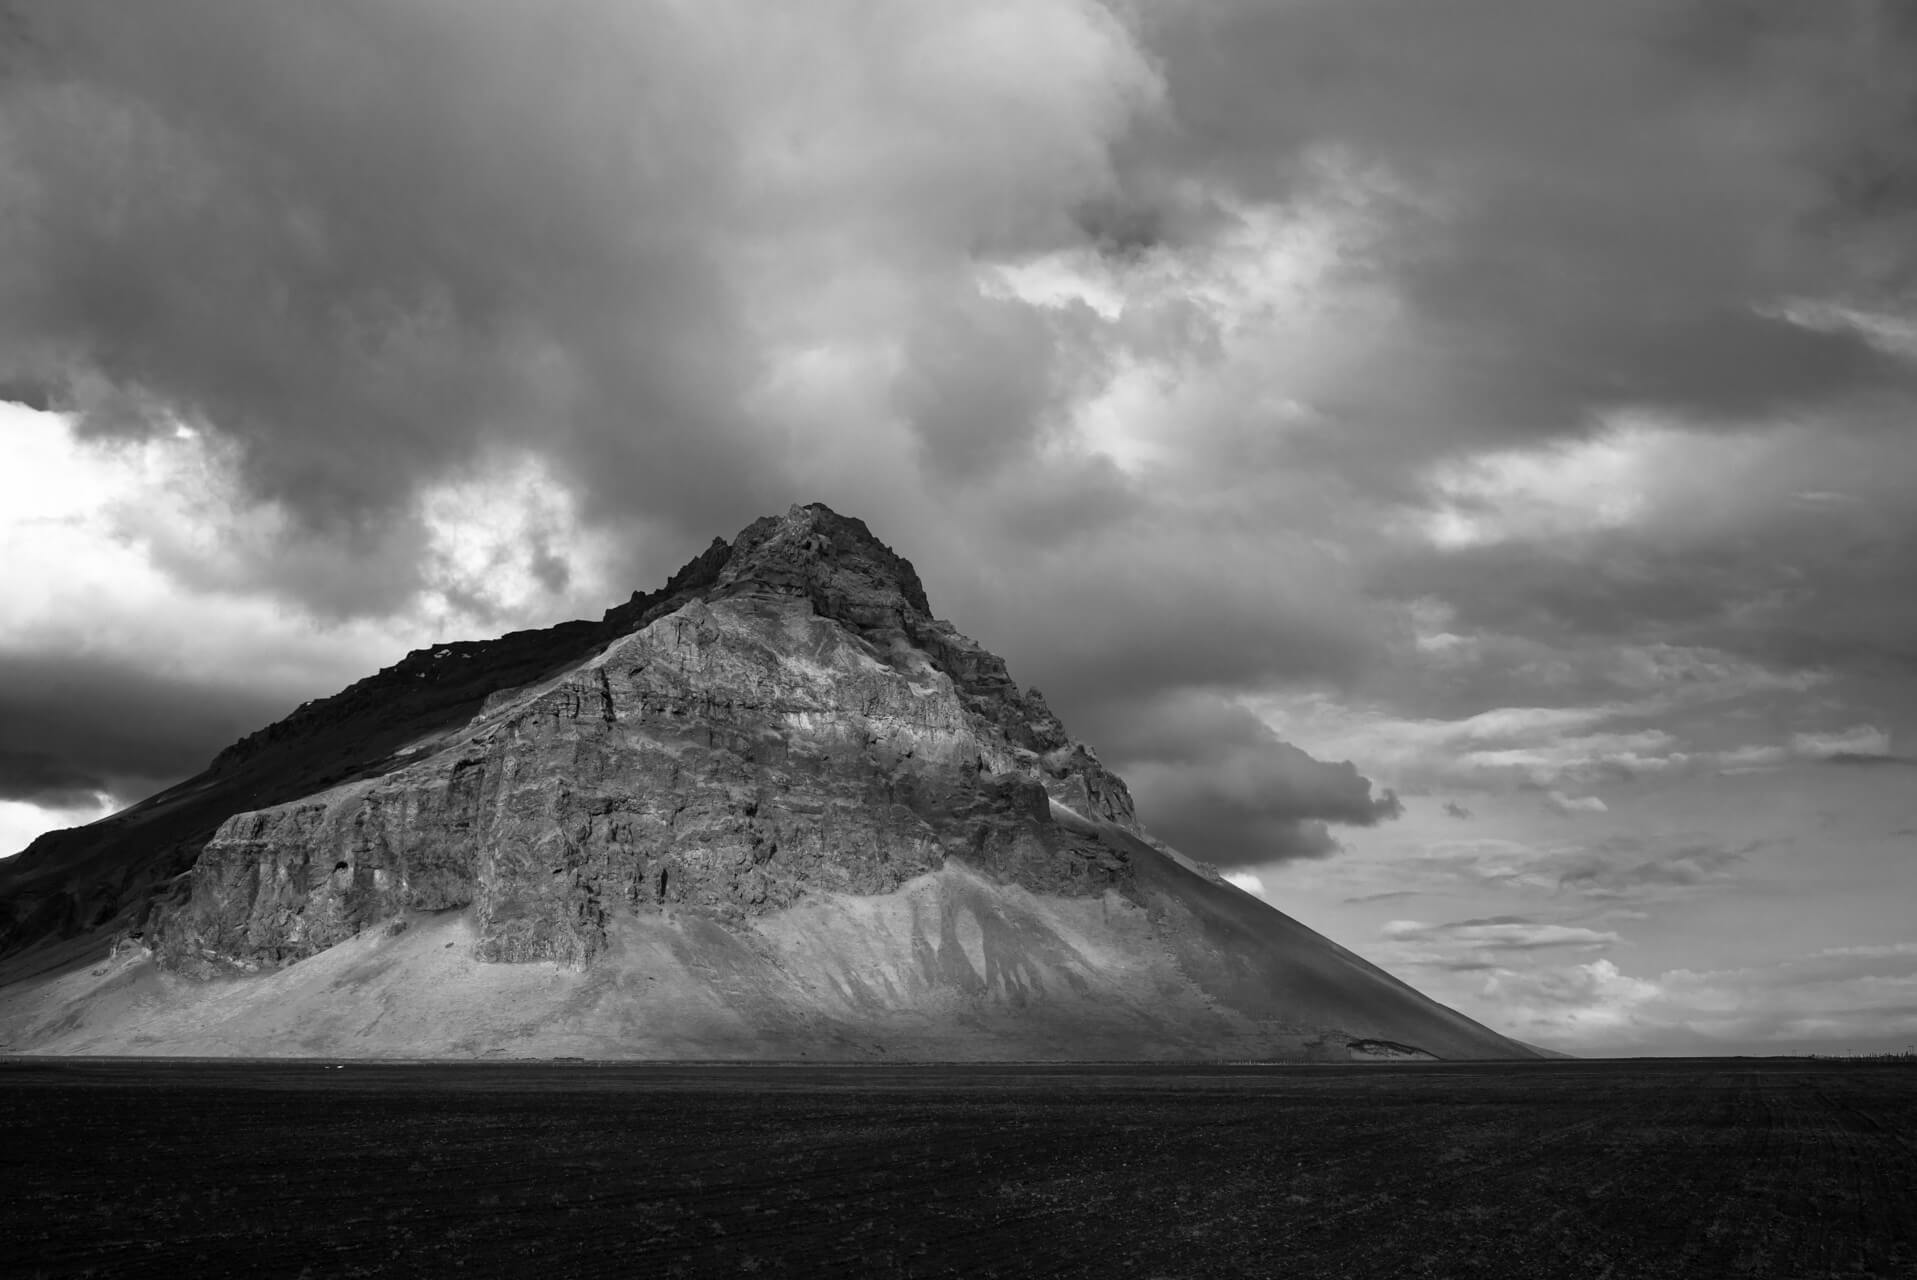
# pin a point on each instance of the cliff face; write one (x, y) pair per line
(802, 725)
(115, 874)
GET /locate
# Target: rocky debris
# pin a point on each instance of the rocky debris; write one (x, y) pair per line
(1387, 1051)
(783, 719)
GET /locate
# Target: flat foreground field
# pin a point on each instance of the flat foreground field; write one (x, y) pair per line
(1559, 1169)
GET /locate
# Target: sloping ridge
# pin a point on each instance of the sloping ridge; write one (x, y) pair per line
(1256, 959)
(775, 810)
(70, 892)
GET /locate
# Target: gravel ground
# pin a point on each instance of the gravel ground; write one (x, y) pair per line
(1714, 1168)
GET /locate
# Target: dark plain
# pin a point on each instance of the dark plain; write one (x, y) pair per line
(1728, 1167)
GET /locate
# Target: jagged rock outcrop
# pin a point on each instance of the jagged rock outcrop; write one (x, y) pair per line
(791, 720)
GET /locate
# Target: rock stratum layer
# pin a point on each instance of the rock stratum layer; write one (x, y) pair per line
(776, 809)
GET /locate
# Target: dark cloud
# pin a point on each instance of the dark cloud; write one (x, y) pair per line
(1210, 778)
(1122, 228)
(553, 573)
(1569, 806)
(1497, 933)
(1774, 586)
(1488, 944)
(965, 427)
(1157, 602)
(30, 392)
(1600, 874)
(369, 242)
(373, 240)
(1069, 504)
(1592, 207)
(1869, 759)
(1618, 586)
(75, 727)
(365, 242)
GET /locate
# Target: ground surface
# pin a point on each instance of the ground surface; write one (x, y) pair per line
(1562, 1169)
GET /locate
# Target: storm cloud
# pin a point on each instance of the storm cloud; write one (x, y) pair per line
(1215, 781)
(72, 728)
(693, 257)
(1582, 208)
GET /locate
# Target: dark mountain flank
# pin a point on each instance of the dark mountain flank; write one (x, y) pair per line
(774, 809)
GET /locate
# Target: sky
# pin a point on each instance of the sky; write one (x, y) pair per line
(1451, 459)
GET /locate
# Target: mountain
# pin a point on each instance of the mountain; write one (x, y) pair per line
(775, 809)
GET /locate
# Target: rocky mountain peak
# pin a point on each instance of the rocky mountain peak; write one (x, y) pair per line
(774, 808)
(812, 552)
(785, 719)
(832, 560)
(383, 729)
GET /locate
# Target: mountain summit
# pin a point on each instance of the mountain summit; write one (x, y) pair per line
(775, 809)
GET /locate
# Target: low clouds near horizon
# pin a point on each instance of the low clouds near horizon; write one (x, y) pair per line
(1331, 405)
